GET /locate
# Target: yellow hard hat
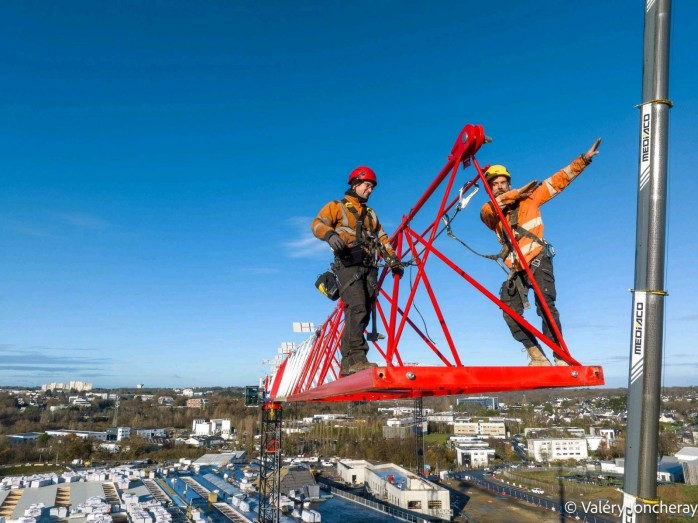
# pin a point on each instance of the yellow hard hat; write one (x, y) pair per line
(496, 170)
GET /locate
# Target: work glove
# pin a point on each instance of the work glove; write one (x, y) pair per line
(526, 190)
(397, 270)
(336, 242)
(395, 267)
(514, 195)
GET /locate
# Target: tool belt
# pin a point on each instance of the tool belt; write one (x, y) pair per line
(518, 279)
(354, 255)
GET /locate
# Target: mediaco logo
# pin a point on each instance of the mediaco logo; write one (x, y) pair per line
(639, 328)
(646, 137)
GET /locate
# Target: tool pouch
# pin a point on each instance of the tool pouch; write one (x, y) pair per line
(328, 284)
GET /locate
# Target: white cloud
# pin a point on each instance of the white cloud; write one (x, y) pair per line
(305, 245)
(82, 220)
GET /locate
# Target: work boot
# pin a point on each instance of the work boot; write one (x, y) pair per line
(559, 362)
(358, 367)
(538, 359)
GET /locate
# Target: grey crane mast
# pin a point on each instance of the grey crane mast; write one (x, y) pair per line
(644, 383)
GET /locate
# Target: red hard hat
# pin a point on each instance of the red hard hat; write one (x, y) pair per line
(363, 173)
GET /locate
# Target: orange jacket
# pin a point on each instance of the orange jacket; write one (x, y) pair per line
(529, 217)
(336, 217)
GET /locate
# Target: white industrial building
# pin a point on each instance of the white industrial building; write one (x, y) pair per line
(118, 433)
(474, 456)
(204, 427)
(397, 486)
(84, 434)
(557, 449)
(150, 433)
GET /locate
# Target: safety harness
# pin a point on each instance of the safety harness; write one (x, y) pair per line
(548, 251)
(519, 231)
(365, 239)
(373, 244)
(507, 247)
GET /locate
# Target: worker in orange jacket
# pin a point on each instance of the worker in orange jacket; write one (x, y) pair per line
(521, 207)
(357, 240)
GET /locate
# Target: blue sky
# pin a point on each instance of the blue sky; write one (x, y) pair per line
(161, 162)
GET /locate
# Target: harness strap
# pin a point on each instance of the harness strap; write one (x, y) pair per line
(514, 223)
(356, 277)
(359, 219)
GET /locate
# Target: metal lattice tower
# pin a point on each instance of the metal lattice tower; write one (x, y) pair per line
(270, 471)
(419, 434)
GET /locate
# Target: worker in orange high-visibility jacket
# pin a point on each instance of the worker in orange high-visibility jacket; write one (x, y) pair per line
(521, 207)
(358, 241)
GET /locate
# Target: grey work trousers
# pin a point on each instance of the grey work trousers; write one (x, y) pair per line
(510, 294)
(358, 299)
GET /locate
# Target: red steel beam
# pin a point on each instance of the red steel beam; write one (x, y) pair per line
(384, 383)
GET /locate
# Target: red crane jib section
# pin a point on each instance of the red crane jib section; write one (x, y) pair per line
(311, 373)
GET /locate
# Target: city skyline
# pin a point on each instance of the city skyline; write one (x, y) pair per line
(162, 164)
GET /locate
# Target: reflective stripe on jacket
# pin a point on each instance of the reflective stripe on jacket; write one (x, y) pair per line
(529, 217)
(334, 216)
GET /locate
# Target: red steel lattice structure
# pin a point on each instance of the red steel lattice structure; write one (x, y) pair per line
(311, 371)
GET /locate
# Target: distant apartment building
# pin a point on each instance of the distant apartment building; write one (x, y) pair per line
(204, 427)
(166, 400)
(79, 386)
(486, 402)
(557, 449)
(196, 403)
(482, 429)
